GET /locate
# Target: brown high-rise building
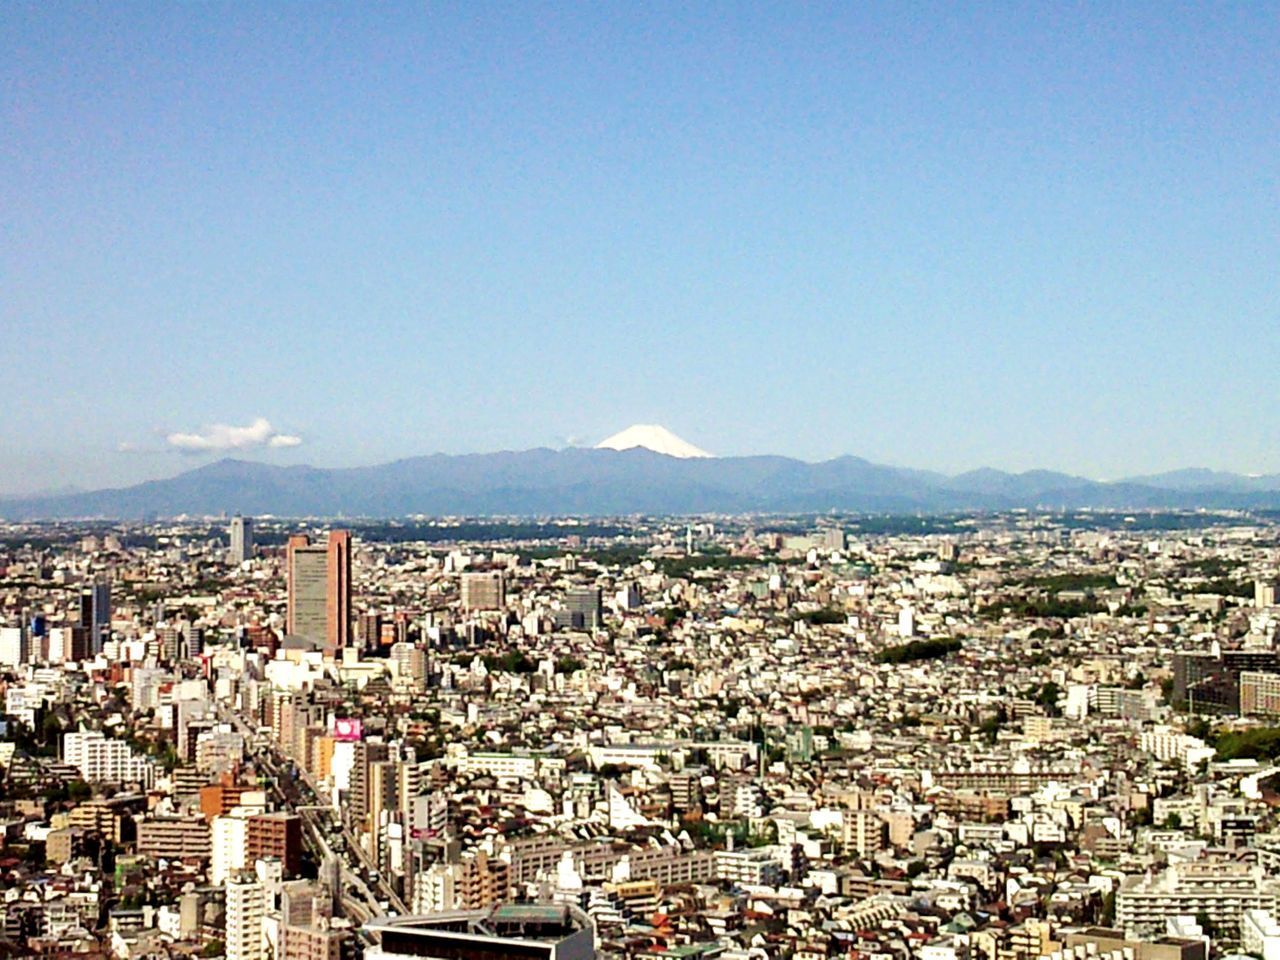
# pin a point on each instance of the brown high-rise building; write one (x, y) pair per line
(276, 835)
(76, 644)
(338, 595)
(319, 581)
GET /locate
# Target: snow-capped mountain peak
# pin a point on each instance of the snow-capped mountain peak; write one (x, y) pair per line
(651, 437)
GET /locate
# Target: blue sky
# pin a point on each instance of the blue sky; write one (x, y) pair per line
(1017, 235)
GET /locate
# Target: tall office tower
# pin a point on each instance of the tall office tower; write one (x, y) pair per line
(308, 579)
(338, 594)
(76, 644)
(241, 540)
(484, 591)
(580, 610)
(95, 614)
(369, 630)
(246, 904)
(193, 640)
(320, 589)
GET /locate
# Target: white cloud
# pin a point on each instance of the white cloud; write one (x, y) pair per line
(222, 436)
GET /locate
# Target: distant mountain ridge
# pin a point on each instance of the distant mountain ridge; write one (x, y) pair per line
(589, 481)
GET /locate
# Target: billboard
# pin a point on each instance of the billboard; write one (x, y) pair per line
(348, 729)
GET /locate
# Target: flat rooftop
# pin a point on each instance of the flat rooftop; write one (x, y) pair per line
(538, 922)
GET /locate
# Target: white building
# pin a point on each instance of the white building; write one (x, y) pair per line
(230, 838)
(13, 647)
(1223, 890)
(246, 905)
(103, 760)
(1260, 934)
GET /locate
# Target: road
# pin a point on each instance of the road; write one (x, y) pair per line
(292, 784)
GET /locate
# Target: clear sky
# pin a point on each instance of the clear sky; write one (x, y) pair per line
(1017, 235)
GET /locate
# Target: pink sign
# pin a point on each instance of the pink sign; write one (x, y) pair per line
(348, 729)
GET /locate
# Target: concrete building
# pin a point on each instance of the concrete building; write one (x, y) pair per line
(319, 585)
(581, 609)
(246, 906)
(1222, 890)
(175, 838)
(484, 591)
(241, 540)
(101, 759)
(1259, 694)
(1259, 932)
(95, 615)
(277, 835)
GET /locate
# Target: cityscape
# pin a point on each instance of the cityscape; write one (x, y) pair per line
(489, 480)
(970, 737)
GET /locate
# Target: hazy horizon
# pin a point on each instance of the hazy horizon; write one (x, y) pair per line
(257, 456)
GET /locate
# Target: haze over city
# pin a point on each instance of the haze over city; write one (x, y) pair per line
(934, 236)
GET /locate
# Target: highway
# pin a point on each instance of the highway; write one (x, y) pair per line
(360, 902)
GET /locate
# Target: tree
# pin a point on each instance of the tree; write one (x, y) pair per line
(1207, 925)
(1109, 908)
(569, 665)
(1048, 698)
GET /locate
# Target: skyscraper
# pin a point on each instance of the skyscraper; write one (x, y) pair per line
(581, 609)
(308, 577)
(338, 592)
(319, 580)
(95, 614)
(241, 540)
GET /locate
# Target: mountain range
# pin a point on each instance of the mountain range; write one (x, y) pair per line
(596, 481)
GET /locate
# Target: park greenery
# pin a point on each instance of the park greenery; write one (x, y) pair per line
(919, 650)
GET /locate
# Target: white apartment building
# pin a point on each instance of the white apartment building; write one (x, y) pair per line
(229, 837)
(104, 760)
(246, 906)
(1221, 889)
(759, 866)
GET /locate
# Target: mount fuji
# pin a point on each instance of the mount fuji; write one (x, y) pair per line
(650, 436)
